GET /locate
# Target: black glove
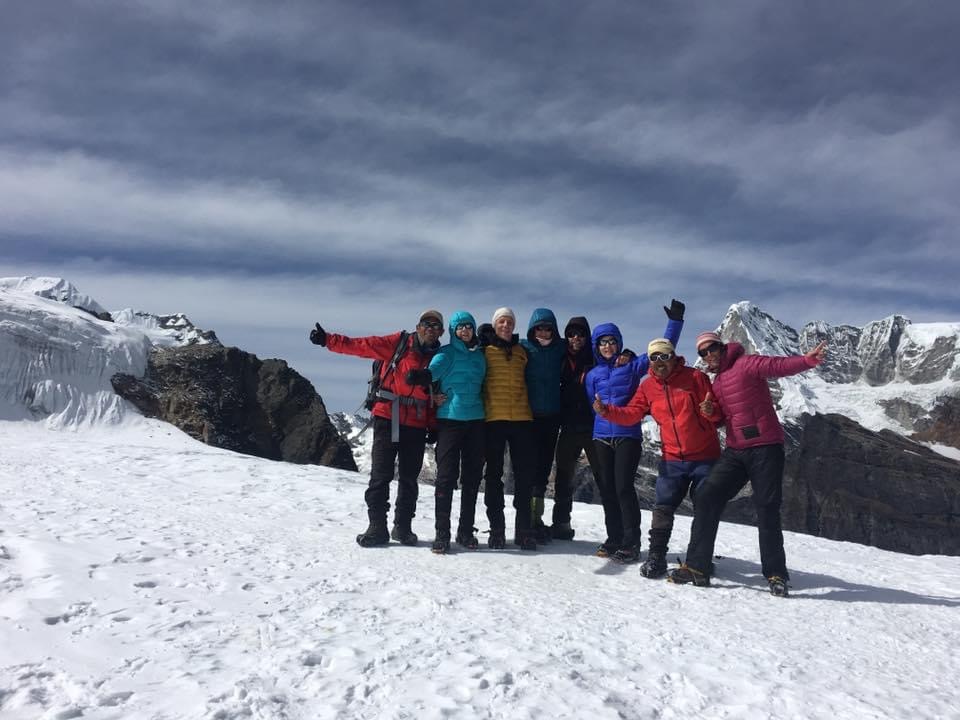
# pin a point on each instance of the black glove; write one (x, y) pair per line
(675, 311)
(431, 437)
(419, 377)
(318, 336)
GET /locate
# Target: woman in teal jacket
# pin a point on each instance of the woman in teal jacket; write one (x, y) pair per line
(457, 372)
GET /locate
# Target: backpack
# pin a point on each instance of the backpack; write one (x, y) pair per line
(376, 379)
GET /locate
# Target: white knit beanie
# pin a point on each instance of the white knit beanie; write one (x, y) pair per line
(504, 311)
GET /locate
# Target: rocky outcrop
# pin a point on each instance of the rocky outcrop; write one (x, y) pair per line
(231, 399)
(942, 423)
(845, 482)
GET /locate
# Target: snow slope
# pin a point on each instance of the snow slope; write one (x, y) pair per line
(145, 575)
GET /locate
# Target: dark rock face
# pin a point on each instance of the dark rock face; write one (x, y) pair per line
(845, 482)
(942, 425)
(231, 399)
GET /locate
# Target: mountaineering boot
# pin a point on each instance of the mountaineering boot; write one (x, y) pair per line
(655, 565)
(527, 541)
(627, 555)
(402, 532)
(467, 539)
(497, 539)
(375, 534)
(778, 586)
(607, 548)
(441, 545)
(686, 575)
(541, 531)
(562, 531)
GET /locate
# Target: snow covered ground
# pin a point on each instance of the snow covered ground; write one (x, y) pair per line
(145, 575)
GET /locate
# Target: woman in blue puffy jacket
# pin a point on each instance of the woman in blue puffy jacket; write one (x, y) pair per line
(458, 370)
(613, 381)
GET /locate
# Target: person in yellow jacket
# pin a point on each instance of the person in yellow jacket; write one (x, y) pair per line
(509, 421)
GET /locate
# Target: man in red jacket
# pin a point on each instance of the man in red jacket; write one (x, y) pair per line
(402, 416)
(754, 453)
(678, 398)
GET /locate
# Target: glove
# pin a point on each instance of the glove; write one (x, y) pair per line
(431, 437)
(419, 377)
(675, 311)
(318, 336)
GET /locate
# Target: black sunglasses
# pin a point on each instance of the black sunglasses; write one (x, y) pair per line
(543, 327)
(657, 356)
(575, 334)
(606, 341)
(712, 347)
(461, 326)
(432, 324)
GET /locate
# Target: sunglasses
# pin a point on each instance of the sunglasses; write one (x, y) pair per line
(464, 326)
(572, 335)
(711, 348)
(658, 356)
(432, 325)
(603, 342)
(543, 328)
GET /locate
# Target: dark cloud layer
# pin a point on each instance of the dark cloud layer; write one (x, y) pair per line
(597, 157)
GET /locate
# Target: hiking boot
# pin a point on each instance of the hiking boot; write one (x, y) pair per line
(778, 586)
(466, 539)
(375, 534)
(686, 575)
(527, 542)
(606, 549)
(654, 566)
(543, 534)
(627, 555)
(497, 539)
(562, 531)
(403, 534)
(440, 546)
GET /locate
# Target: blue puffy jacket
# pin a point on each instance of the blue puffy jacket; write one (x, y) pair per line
(616, 385)
(460, 371)
(544, 365)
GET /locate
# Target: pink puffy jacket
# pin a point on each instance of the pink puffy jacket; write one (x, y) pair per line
(741, 390)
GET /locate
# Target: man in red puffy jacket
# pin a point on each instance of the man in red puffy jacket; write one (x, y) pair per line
(754, 453)
(402, 416)
(675, 395)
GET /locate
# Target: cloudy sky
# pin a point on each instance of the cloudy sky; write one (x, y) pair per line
(261, 166)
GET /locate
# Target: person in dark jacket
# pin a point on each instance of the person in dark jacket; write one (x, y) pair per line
(545, 352)
(753, 453)
(618, 447)
(402, 416)
(675, 395)
(576, 424)
(457, 372)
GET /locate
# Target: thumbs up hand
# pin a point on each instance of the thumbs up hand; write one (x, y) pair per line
(598, 406)
(706, 407)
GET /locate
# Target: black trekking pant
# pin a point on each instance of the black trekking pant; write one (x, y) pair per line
(386, 456)
(569, 446)
(518, 434)
(545, 430)
(460, 454)
(618, 459)
(763, 467)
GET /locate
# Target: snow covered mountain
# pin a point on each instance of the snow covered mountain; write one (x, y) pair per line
(889, 375)
(59, 348)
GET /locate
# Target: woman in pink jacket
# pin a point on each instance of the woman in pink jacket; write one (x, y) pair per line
(754, 453)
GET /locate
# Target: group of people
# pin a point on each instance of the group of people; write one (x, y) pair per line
(551, 396)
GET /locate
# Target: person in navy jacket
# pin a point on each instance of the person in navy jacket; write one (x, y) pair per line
(613, 381)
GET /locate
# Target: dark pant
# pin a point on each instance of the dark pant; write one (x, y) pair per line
(545, 431)
(408, 455)
(519, 436)
(460, 452)
(569, 446)
(676, 477)
(618, 459)
(763, 467)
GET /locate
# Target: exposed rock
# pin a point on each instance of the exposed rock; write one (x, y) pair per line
(919, 363)
(845, 482)
(942, 423)
(843, 363)
(231, 399)
(878, 348)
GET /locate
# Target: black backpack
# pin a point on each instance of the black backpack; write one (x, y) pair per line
(376, 379)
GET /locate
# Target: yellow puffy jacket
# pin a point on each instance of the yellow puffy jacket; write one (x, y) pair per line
(505, 387)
